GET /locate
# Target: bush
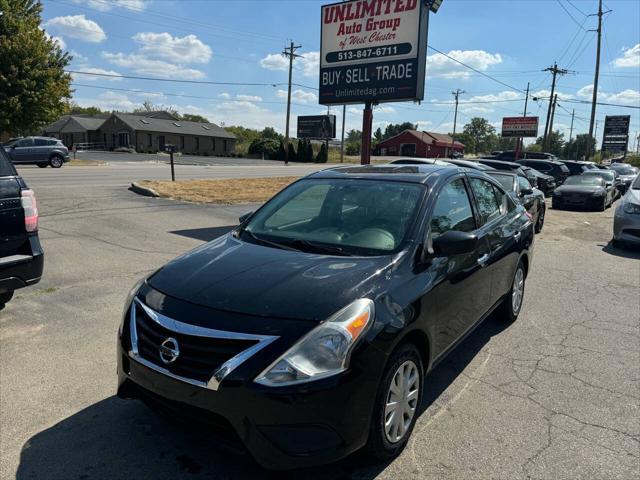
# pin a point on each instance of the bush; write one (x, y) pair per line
(264, 146)
(633, 159)
(352, 149)
(323, 154)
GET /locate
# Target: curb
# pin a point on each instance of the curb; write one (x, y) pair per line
(140, 190)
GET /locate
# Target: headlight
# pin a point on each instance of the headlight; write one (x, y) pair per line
(631, 208)
(598, 194)
(133, 291)
(324, 351)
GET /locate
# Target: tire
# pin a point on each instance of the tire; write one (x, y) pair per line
(603, 207)
(512, 304)
(56, 161)
(43, 165)
(5, 297)
(386, 443)
(540, 222)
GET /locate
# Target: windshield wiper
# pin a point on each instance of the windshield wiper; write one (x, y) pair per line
(321, 248)
(268, 243)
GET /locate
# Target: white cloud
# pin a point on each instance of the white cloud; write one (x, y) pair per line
(109, 101)
(385, 109)
(630, 58)
(544, 95)
(249, 98)
(424, 124)
(157, 68)
(79, 27)
(106, 5)
(308, 63)
(98, 72)
(624, 97)
(298, 96)
(181, 50)
(225, 95)
(440, 66)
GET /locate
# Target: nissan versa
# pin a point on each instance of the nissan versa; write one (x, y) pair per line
(306, 332)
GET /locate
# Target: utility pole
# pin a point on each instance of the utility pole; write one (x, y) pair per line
(553, 114)
(520, 141)
(555, 71)
(595, 80)
(289, 52)
(344, 118)
(456, 94)
(526, 100)
(573, 116)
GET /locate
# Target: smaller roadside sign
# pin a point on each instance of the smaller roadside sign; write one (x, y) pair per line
(616, 133)
(320, 127)
(520, 127)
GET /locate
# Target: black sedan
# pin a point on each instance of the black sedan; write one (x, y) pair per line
(306, 333)
(545, 183)
(522, 191)
(612, 179)
(584, 191)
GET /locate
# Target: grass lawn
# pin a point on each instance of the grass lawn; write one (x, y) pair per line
(226, 192)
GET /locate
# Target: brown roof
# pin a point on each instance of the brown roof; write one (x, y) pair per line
(440, 139)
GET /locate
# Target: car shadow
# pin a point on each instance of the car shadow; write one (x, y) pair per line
(204, 234)
(625, 252)
(115, 439)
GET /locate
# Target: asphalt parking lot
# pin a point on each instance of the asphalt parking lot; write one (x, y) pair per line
(554, 396)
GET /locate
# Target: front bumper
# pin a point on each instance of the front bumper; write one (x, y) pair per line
(626, 227)
(282, 428)
(584, 201)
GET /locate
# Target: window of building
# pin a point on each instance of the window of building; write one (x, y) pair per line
(149, 140)
(181, 143)
(213, 144)
(225, 145)
(197, 143)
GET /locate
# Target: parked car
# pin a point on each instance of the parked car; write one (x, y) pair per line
(508, 167)
(611, 178)
(428, 161)
(21, 256)
(510, 156)
(575, 168)
(557, 170)
(626, 222)
(584, 191)
(41, 151)
(626, 174)
(546, 183)
(522, 192)
(469, 164)
(305, 331)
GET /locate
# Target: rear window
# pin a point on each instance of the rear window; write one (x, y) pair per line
(564, 169)
(505, 180)
(6, 168)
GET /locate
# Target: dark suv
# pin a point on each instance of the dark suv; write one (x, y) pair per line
(510, 156)
(21, 257)
(41, 151)
(557, 170)
(575, 168)
(306, 332)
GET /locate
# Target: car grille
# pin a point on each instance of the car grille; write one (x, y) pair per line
(575, 198)
(200, 355)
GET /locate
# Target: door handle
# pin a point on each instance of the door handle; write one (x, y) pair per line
(482, 261)
(517, 236)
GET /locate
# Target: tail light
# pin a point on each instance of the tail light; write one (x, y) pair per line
(529, 216)
(30, 207)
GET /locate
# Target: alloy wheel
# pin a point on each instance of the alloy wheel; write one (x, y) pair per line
(401, 401)
(517, 292)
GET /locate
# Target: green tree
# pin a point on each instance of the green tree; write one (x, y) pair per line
(483, 134)
(505, 143)
(378, 136)
(577, 147)
(264, 146)
(354, 136)
(34, 88)
(466, 139)
(75, 109)
(323, 154)
(555, 143)
(147, 106)
(282, 152)
(190, 117)
(396, 129)
(270, 132)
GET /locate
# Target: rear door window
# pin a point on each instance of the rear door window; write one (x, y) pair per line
(489, 205)
(26, 142)
(41, 142)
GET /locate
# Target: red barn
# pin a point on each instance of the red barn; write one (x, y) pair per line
(412, 143)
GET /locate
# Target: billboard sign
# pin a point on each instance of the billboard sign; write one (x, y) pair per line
(321, 127)
(616, 133)
(520, 127)
(373, 50)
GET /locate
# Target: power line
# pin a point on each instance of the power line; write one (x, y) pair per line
(173, 80)
(570, 14)
(580, 11)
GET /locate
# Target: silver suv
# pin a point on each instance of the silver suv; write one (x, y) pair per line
(41, 151)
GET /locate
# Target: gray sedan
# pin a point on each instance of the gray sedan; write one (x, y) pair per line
(626, 223)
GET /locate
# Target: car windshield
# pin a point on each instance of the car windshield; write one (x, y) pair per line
(623, 169)
(341, 217)
(587, 180)
(636, 183)
(506, 181)
(608, 176)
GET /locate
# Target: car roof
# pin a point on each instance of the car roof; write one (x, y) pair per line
(502, 172)
(469, 164)
(404, 173)
(499, 162)
(545, 160)
(419, 161)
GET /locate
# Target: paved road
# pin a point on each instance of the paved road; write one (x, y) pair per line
(113, 157)
(554, 396)
(121, 174)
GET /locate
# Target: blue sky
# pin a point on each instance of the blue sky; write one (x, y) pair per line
(240, 41)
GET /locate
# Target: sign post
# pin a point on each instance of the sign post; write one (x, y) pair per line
(373, 52)
(616, 133)
(170, 149)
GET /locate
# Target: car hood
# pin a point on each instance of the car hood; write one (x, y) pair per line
(579, 189)
(232, 275)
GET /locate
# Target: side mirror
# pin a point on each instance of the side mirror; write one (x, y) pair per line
(243, 218)
(454, 243)
(609, 184)
(525, 191)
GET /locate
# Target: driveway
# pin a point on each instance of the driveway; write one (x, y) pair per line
(553, 396)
